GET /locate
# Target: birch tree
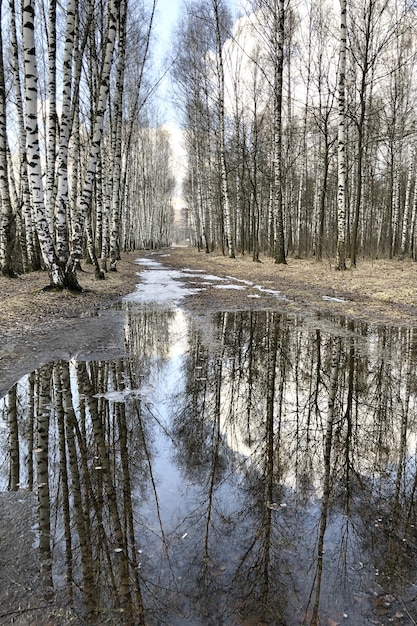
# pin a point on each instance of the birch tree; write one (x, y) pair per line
(276, 12)
(6, 214)
(341, 151)
(88, 185)
(29, 252)
(32, 144)
(228, 231)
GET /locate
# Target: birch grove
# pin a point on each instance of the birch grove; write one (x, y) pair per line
(329, 134)
(64, 159)
(297, 119)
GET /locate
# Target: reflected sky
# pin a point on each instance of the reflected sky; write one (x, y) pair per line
(258, 469)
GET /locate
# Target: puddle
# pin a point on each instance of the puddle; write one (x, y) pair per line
(259, 469)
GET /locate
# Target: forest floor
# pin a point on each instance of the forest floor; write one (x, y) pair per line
(381, 291)
(37, 325)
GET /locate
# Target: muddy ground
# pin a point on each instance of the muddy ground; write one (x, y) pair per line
(38, 326)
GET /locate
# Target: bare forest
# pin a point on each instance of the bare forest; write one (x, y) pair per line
(307, 145)
(297, 119)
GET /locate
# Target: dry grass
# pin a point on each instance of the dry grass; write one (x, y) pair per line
(26, 306)
(382, 291)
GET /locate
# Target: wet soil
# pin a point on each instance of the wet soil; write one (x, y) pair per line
(38, 326)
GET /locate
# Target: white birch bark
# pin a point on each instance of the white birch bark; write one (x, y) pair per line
(32, 143)
(6, 214)
(407, 220)
(30, 260)
(413, 225)
(50, 190)
(117, 162)
(278, 58)
(341, 150)
(104, 190)
(61, 204)
(228, 231)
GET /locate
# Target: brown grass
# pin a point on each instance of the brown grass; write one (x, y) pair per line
(26, 306)
(381, 291)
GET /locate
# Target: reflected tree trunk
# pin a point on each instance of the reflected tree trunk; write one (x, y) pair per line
(119, 541)
(80, 510)
(14, 472)
(31, 428)
(326, 485)
(63, 474)
(42, 467)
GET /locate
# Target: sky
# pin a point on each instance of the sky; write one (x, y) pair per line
(166, 18)
(167, 12)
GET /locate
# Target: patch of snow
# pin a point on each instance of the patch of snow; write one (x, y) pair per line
(331, 299)
(240, 280)
(148, 262)
(238, 287)
(211, 277)
(273, 292)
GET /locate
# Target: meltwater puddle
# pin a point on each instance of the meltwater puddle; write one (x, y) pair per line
(164, 286)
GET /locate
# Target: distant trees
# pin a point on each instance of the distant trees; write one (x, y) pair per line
(283, 91)
(75, 99)
(199, 75)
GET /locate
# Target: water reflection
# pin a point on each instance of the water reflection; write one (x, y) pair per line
(260, 471)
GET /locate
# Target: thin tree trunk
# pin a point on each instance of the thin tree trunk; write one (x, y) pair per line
(31, 260)
(278, 175)
(228, 230)
(32, 144)
(341, 153)
(14, 473)
(6, 213)
(117, 161)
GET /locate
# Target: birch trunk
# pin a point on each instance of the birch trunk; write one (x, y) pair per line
(228, 231)
(341, 151)
(52, 116)
(279, 23)
(407, 220)
(61, 205)
(29, 254)
(32, 144)
(117, 161)
(6, 214)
